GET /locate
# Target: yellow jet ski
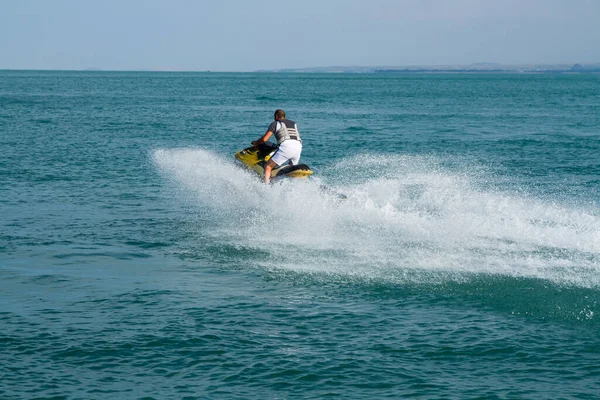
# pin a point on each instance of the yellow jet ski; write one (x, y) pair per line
(255, 158)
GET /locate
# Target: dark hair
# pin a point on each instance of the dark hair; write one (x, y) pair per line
(279, 114)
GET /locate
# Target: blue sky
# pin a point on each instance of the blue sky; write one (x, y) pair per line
(238, 35)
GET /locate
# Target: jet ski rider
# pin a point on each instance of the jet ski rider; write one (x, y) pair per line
(288, 139)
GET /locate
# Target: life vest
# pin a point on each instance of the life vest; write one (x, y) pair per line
(285, 130)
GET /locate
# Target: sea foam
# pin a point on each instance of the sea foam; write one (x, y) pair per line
(406, 218)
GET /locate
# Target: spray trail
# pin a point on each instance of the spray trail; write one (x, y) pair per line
(405, 219)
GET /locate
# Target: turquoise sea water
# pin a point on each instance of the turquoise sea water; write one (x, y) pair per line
(137, 261)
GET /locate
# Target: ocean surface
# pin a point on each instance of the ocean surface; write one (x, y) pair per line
(138, 261)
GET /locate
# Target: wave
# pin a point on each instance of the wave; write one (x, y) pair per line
(265, 98)
(406, 219)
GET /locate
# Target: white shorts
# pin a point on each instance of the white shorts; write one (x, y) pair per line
(288, 150)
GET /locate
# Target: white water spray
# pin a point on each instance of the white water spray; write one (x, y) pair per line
(406, 218)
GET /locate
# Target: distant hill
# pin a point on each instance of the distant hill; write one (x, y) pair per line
(471, 68)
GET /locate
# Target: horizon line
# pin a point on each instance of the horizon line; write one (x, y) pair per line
(480, 66)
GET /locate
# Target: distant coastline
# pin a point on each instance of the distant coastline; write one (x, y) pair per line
(471, 68)
(456, 69)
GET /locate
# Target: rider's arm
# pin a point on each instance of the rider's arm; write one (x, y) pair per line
(263, 139)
